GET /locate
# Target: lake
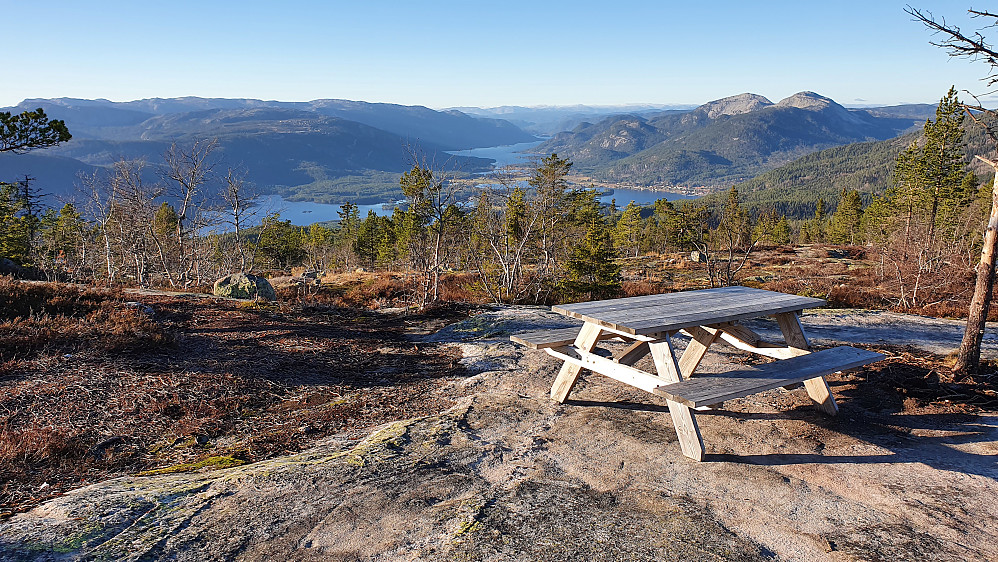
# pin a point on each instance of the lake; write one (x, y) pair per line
(513, 155)
(305, 212)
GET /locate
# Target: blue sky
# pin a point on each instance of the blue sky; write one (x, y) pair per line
(444, 54)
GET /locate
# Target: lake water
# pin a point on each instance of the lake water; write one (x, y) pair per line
(305, 213)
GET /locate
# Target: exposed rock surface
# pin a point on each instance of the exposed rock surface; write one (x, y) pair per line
(816, 102)
(734, 105)
(510, 475)
(806, 100)
(244, 286)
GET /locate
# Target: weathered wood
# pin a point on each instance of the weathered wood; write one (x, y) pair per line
(683, 419)
(704, 391)
(678, 309)
(569, 373)
(969, 356)
(740, 332)
(540, 339)
(649, 320)
(623, 373)
(714, 297)
(821, 394)
(700, 342)
(760, 347)
(793, 333)
(817, 388)
(633, 353)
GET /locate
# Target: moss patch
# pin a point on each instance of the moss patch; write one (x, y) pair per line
(213, 463)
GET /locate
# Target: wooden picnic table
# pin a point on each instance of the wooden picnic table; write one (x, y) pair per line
(648, 324)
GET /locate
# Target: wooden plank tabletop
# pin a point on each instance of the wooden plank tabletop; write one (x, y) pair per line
(673, 311)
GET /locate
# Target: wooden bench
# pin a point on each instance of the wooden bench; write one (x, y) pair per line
(542, 339)
(716, 388)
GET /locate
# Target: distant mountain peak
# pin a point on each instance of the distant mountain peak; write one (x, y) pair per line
(734, 105)
(807, 100)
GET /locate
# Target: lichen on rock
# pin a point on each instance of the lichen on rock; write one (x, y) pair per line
(244, 286)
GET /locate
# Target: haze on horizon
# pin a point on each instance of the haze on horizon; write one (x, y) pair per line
(450, 54)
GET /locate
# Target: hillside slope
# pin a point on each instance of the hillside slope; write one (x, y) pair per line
(449, 130)
(325, 150)
(721, 142)
(868, 167)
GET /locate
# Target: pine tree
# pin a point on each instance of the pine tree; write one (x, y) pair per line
(30, 130)
(349, 220)
(64, 237)
(772, 227)
(14, 236)
(781, 232)
(945, 167)
(369, 235)
(931, 184)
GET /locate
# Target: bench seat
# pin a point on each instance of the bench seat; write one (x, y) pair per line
(716, 388)
(541, 339)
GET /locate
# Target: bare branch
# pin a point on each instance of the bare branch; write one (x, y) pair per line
(960, 44)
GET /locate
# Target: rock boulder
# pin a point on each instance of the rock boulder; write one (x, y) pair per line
(8, 267)
(244, 286)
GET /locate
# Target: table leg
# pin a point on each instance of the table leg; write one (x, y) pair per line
(700, 341)
(817, 388)
(569, 374)
(682, 416)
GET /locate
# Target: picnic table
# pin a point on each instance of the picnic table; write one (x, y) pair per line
(648, 324)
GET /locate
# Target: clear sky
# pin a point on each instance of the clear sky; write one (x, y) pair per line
(454, 53)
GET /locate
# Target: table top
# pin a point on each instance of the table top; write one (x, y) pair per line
(651, 314)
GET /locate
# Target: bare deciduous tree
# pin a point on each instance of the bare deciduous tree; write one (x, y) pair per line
(501, 231)
(188, 168)
(242, 204)
(433, 202)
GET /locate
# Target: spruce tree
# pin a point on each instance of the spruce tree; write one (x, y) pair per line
(627, 234)
(592, 272)
(845, 225)
(550, 183)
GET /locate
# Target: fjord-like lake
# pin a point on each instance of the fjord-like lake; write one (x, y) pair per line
(515, 154)
(305, 212)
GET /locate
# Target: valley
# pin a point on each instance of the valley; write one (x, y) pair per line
(332, 151)
(538, 281)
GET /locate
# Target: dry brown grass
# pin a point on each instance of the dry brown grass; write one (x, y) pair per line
(460, 287)
(54, 318)
(87, 396)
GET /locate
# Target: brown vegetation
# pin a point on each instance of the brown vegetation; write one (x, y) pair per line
(93, 386)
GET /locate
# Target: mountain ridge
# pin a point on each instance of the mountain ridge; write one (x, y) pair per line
(326, 150)
(721, 142)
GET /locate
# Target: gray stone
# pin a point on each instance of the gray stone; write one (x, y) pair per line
(244, 286)
(8, 267)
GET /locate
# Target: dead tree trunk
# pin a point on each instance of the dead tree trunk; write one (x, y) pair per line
(969, 356)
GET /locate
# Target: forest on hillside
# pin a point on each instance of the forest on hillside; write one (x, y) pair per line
(535, 241)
